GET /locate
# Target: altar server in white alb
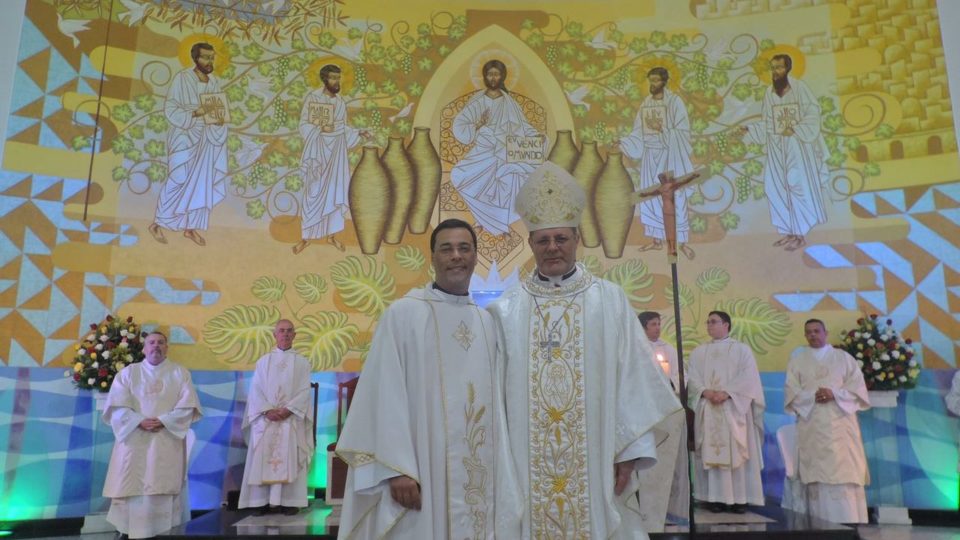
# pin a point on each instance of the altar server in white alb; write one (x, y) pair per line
(583, 392)
(726, 395)
(425, 436)
(825, 390)
(278, 423)
(150, 408)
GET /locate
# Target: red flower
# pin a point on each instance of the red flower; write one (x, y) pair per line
(851, 333)
(109, 318)
(860, 321)
(93, 326)
(908, 341)
(76, 376)
(129, 319)
(102, 372)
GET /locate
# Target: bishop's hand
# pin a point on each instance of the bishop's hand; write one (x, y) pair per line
(405, 491)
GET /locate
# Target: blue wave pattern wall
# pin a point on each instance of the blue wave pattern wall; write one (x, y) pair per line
(54, 455)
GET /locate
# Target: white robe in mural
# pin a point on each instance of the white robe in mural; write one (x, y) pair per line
(796, 168)
(831, 464)
(427, 406)
(487, 183)
(147, 476)
(325, 168)
(729, 436)
(196, 157)
(657, 152)
(582, 394)
(278, 453)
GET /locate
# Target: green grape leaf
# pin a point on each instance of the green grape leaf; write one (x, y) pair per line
(324, 338)
(593, 265)
(368, 288)
(410, 258)
(310, 287)
(756, 323)
(268, 288)
(242, 333)
(713, 280)
(633, 277)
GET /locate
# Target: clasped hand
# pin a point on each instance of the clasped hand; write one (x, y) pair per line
(716, 396)
(278, 415)
(152, 425)
(824, 395)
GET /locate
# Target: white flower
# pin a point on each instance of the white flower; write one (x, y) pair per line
(908, 348)
(913, 363)
(858, 335)
(67, 373)
(128, 358)
(106, 354)
(871, 342)
(883, 357)
(90, 337)
(95, 365)
(884, 337)
(860, 364)
(902, 378)
(104, 338)
(99, 346)
(860, 355)
(81, 352)
(895, 353)
(122, 345)
(91, 380)
(123, 333)
(876, 365)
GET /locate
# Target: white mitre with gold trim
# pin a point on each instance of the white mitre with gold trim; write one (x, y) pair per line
(550, 198)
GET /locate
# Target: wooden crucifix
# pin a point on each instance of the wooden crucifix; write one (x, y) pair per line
(666, 190)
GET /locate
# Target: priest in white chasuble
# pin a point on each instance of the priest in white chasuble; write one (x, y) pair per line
(150, 408)
(278, 425)
(583, 394)
(825, 390)
(425, 436)
(726, 396)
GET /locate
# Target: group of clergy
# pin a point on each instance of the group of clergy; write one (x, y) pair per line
(529, 419)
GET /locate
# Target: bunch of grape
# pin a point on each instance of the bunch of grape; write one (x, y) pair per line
(376, 117)
(743, 189)
(257, 173)
(600, 131)
(280, 111)
(722, 143)
(283, 64)
(361, 77)
(701, 76)
(406, 64)
(621, 78)
(553, 53)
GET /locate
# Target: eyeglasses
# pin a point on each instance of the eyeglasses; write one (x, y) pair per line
(714, 321)
(544, 242)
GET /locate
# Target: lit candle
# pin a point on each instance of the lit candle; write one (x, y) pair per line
(664, 364)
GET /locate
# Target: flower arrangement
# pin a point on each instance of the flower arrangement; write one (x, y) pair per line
(110, 346)
(885, 359)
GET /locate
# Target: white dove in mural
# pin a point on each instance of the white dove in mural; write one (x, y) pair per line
(135, 12)
(404, 112)
(599, 42)
(350, 51)
(273, 7)
(70, 27)
(576, 96)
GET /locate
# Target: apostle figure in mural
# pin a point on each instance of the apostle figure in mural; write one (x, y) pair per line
(666, 356)
(150, 408)
(583, 392)
(796, 168)
(660, 141)
(487, 177)
(825, 390)
(727, 398)
(278, 424)
(324, 163)
(426, 436)
(197, 111)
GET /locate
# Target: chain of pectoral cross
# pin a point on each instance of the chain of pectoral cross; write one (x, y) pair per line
(550, 343)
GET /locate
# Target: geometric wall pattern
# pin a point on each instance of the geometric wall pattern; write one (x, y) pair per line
(43, 307)
(918, 272)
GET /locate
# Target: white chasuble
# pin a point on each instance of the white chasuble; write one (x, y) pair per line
(426, 407)
(582, 394)
(729, 436)
(279, 453)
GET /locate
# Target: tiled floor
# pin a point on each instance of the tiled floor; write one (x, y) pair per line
(906, 532)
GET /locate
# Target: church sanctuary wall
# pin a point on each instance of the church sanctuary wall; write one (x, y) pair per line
(75, 203)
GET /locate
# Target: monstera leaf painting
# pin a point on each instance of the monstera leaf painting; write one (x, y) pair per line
(310, 287)
(242, 333)
(410, 258)
(268, 288)
(324, 338)
(592, 264)
(756, 323)
(633, 276)
(713, 280)
(364, 285)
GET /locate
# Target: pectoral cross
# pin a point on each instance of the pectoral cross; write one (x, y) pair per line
(550, 344)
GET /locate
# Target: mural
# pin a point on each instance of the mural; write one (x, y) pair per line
(211, 169)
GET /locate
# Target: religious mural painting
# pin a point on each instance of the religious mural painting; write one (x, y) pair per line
(288, 158)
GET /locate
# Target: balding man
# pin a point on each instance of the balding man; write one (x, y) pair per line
(278, 423)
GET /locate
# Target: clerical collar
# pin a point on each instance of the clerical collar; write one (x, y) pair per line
(278, 349)
(555, 280)
(444, 291)
(720, 340)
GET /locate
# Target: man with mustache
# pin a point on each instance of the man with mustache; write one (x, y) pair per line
(660, 142)
(324, 164)
(425, 438)
(796, 168)
(484, 178)
(196, 152)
